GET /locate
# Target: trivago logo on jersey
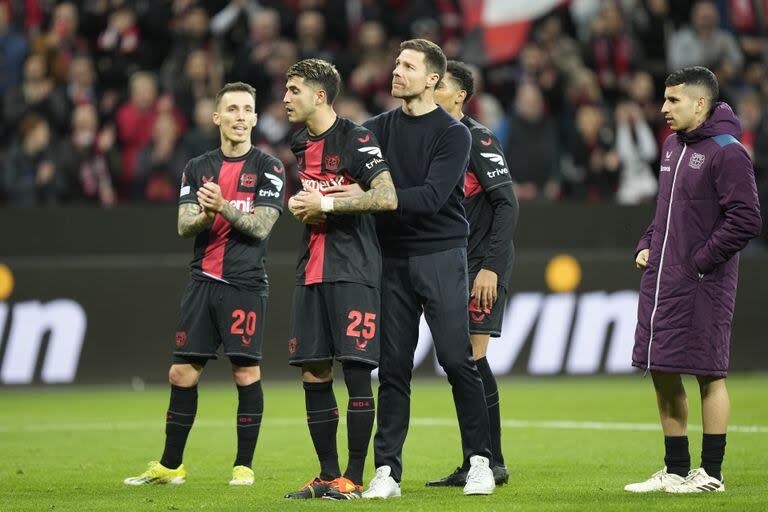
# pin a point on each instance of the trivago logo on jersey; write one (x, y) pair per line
(498, 160)
(63, 322)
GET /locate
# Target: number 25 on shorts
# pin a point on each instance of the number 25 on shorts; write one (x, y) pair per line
(369, 325)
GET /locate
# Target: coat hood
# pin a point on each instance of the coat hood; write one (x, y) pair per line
(722, 121)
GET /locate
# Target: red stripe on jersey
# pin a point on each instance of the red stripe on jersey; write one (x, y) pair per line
(472, 186)
(213, 260)
(313, 273)
(313, 160)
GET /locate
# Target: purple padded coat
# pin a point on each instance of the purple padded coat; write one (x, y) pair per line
(707, 210)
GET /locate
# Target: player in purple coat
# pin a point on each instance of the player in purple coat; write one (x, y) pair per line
(707, 211)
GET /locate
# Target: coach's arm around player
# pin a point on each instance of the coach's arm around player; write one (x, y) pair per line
(311, 204)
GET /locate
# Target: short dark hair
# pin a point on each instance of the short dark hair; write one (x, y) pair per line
(234, 87)
(433, 55)
(696, 75)
(463, 76)
(319, 72)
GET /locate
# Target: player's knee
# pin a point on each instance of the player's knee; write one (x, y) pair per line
(357, 377)
(453, 363)
(317, 372)
(183, 375)
(246, 375)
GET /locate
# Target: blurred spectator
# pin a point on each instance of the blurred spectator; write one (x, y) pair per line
(231, 24)
(81, 86)
(118, 48)
(310, 36)
(190, 33)
(610, 52)
(89, 160)
(537, 68)
(203, 136)
(591, 170)
(703, 43)
(135, 123)
(202, 78)
(37, 93)
(13, 48)
(352, 108)
(653, 27)
(371, 74)
(636, 147)
(749, 20)
(160, 163)
(30, 175)
(563, 51)
(531, 149)
(273, 126)
(62, 42)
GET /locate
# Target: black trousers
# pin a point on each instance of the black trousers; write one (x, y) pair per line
(436, 283)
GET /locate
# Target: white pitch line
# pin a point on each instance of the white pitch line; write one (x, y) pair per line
(421, 422)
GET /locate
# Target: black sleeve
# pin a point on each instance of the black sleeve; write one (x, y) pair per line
(446, 168)
(189, 184)
(270, 190)
(488, 162)
(505, 213)
(364, 152)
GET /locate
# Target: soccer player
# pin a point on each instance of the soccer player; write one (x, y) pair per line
(492, 211)
(336, 302)
(229, 200)
(707, 211)
(424, 245)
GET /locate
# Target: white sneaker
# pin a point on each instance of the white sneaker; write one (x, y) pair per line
(480, 477)
(698, 481)
(659, 481)
(383, 485)
(241, 475)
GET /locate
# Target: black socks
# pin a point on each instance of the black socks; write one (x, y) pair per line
(676, 457)
(178, 423)
(323, 420)
(250, 408)
(360, 416)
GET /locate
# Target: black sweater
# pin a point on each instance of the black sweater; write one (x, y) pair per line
(427, 157)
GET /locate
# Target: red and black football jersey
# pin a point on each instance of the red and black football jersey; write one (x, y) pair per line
(488, 172)
(222, 253)
(345, 247)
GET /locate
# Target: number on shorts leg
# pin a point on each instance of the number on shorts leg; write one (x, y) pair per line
(368, 321)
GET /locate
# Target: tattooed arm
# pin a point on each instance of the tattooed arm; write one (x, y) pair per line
(380, 197)
(193, 220)
(256, 225)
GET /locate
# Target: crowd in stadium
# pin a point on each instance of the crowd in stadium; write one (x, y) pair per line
(104, 101)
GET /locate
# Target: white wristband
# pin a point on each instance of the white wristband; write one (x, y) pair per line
(326, 204)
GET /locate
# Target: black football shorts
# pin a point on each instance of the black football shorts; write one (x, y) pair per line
(334, 321)
(214, 314)
(487, 321)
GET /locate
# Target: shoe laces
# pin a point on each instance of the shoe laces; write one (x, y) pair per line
(474, 475)
(378, 479)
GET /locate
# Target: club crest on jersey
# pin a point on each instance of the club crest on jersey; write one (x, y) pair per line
(696, 161)
(371, 150)
(332, 162)
(248, 180)
(181, 339)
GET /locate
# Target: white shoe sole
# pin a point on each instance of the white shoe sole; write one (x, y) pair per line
(240, 482)
(479, 492)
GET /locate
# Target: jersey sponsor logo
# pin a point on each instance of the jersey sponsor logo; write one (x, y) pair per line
(277, 182)
(332, 162)
(63, 322)
(372, 162)
(244, 205)
(248, 180)
(494, 157)
(486, 142)
(181, 339)
(268, 193)
(365, 139)
(207, 179)
(666, 168)
(371, 150)
(322, 185)
(497, 172)
(696, 161)
(292, 344)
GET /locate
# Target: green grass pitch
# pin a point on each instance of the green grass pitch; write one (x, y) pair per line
(570, 444)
